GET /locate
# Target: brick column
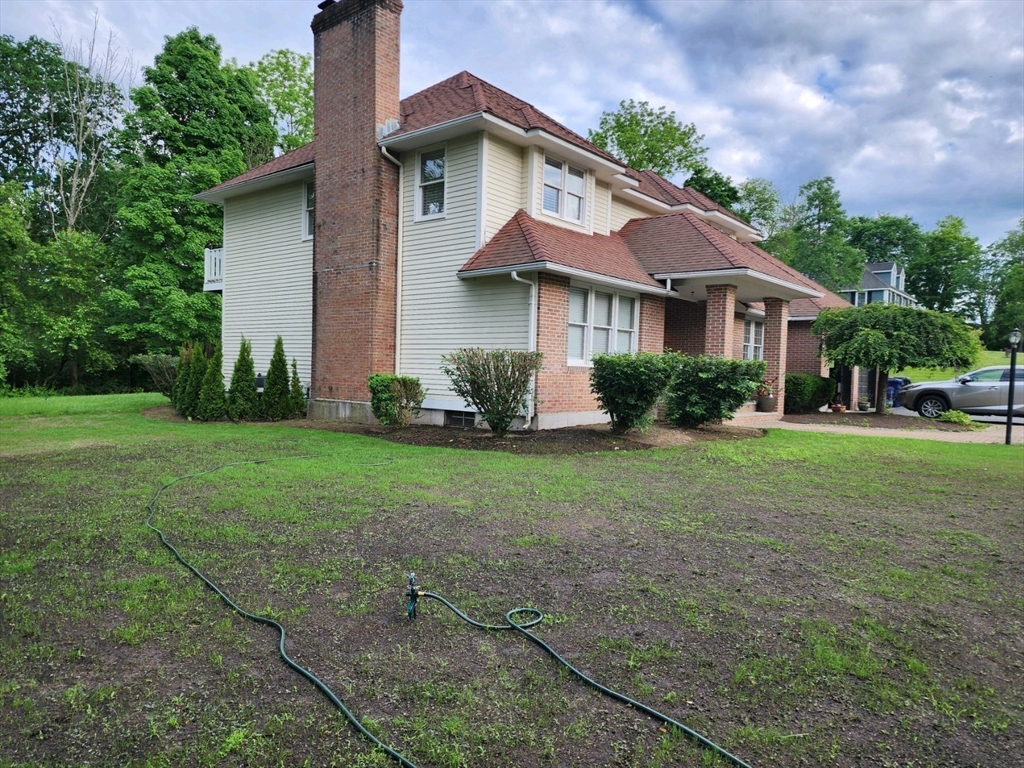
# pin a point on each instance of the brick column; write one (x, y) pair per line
(776, 331)
(720, 319)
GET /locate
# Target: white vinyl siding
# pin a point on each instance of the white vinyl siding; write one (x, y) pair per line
(623, 212)
(600, 209)
(440, 312)
(504, 184)
(268, 278)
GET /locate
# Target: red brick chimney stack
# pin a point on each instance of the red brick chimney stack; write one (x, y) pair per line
(355, 247)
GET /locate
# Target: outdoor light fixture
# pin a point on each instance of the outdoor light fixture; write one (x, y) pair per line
(1014, 341)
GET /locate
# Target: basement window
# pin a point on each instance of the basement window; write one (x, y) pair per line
(430, 178)
(460, 419)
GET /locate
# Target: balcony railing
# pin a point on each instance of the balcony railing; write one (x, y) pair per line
(213, 271)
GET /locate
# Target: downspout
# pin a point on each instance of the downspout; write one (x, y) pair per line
(398, 264)
(531, 345)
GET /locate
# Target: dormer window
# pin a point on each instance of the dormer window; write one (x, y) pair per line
(564, 190)
(430, 173)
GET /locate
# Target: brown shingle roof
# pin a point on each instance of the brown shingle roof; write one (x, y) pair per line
(813, 307)
(301, 156)
(524, 241)
(660, 188)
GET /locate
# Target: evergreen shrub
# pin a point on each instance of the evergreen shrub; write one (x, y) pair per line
(196, 373)
(806, 392)
(296, 394)
(212, 402)
(628, 386)
(395, 399)
(495, 382)
(276, 403)
(182, 378)
(706, 389)
(243, 399)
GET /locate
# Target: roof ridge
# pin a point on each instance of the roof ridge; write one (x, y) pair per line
(527, 225)
(700, 226)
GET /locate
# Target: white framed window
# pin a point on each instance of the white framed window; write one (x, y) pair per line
(753, 340)
(430, 184)
(308, 210)
(600, 321)
(564, 190)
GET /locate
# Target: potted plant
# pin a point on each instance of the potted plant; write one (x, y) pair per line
(837, 407)
(765, 396)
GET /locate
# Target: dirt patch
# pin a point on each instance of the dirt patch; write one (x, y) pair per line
(873, 421)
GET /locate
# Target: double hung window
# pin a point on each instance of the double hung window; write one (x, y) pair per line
(308, 210)
(430, 177)
(600, 322)
(564, 187)
(753, 340)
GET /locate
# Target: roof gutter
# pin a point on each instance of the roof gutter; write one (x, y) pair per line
(531, 344)
(559, 269)
(725, 273)
(218, 196)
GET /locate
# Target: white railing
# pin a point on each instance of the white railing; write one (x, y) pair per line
(213, 270)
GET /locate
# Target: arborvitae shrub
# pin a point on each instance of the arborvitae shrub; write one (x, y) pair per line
(395, 399)
(196, 374)
(298, 396)
(276, 403)
(182, 378)
(495, 382)
(243, 399)
(708, 389)
(212, 405)
(628, 386)
(806, 392)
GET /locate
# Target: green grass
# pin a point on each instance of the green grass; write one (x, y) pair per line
(918, 375)
(802, 598)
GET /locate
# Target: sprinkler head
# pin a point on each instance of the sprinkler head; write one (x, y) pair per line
(413, 593)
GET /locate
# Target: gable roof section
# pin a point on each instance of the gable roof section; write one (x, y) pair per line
(660, 188)
(286, 162)
(810, 308)
(526, 243)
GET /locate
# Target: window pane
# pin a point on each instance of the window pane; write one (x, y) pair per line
(601, 338)
(576, 342)
(748, 353)
(624, 341)
(577, 305)
(310, 223)
(553, 173)
(573, 208)
(433, 199)
(602, 308)
(626, 312)
(758, 334)
(574, 182)
(432, 166)
(746, 332)
(551, 197)
(310, 195)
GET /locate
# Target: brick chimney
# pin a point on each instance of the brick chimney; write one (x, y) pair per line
(355, 246)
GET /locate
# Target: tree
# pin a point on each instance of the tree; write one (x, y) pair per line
(643, 138)
(189, 405)
(888, 337)
(15, 249)
(298, 395)
(760, 203)
(212, 405)
(887, 238)
(818, 247)
(243, 400)
(285, 82)
(276, 403)
(715, 185)
(944, 274)
(1008, 288)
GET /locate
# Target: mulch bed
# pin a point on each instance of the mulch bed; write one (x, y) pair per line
(873, 421)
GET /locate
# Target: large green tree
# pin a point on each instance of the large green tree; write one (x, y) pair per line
(285, 82)
(888, 337)
(1008, 288)
(715, 185)
(647, 138)
(817, 245)
(944, 274)
(887, 238)
(761, 204)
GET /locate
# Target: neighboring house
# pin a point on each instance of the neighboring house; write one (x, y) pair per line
(462, 216)
(884, 281)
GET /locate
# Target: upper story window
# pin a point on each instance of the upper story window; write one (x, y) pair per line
(564, 190)
(308, 210)
(753, 340)
(430, 177)
(600, 322)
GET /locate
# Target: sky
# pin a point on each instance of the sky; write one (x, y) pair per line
(915, 108)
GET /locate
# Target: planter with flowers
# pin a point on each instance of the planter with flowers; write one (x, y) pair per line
(765, 396)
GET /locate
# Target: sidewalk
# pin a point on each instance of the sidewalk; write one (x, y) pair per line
(996, 433)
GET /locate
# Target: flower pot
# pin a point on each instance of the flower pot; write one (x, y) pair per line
(766, 404)
(838, 408)
(863, 405)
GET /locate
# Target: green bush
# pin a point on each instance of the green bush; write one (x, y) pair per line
(276, 403)
(956, 417)
(628, 386)
(182, 378)
(495, 382)
(243, 403)
(806, 392)
(212, 403)
(395, 399)
(189, 406)
(709, 389)
(297, 394)
(161, 368)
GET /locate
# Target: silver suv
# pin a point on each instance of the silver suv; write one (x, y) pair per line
(984, 391)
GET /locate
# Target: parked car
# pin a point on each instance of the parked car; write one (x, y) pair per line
(984, 391)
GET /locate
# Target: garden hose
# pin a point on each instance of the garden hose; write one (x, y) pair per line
(413, 592)
(264, 619)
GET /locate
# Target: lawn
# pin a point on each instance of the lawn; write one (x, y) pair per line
(800, 599)
(987, 358)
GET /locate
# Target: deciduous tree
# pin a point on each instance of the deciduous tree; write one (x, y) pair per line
(944, 274)
(284, 80)
(646, 138)
(818, 246)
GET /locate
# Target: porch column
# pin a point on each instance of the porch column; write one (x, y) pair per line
(720, 316)
(776, 328)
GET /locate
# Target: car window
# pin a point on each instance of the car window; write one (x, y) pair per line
(989, 374)
(1018, 374)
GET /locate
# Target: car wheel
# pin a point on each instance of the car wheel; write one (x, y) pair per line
(932, 406)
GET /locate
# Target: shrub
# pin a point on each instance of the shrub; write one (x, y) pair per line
(297, 394)
(276, 403)
(212, 405)
(161, 368)
(243, 403)
(956, 417)
(806, 392)
(708, 389)
(628, 386)
(182, 378)
(395, 399)
(196, 373)
(495, 382)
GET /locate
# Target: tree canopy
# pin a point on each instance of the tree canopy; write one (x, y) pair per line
(647, 138)
(285, 84)
(715, 185)
(1008, 287)
(943, 274)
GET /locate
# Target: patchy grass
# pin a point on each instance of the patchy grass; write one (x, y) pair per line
(800, 599)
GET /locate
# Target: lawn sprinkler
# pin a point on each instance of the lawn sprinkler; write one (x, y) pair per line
(414, 594)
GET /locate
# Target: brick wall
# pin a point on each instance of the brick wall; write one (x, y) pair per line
(720, 324)
(684, 326)
(802, 350)
(776, 334)
(652, 324)
(560, 387)
(355, 248)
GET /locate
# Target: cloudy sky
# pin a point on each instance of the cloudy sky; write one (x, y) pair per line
(916, 108)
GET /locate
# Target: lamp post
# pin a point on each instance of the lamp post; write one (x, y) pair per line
(1014, 341)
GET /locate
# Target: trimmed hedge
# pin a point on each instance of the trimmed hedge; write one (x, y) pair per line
(395, 399)
(708, 389)
(495, 382)
(806, 392)
(628, 385)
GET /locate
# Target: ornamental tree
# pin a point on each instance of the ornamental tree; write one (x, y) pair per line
(888, 337)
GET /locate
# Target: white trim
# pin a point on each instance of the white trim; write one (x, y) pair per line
(531, 343)
(803, 319)
(252, 185)
(724, 273)
(563, 192)
(531, 179)
(589, 324)
(417, 214)
(748, 233)
(481, 190)
(306, 234)
(558, 269)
